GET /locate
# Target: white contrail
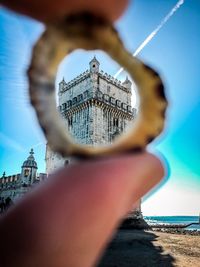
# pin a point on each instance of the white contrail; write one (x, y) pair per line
(157, 29)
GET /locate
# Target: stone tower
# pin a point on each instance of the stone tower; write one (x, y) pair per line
(95, 107)
(29, 169)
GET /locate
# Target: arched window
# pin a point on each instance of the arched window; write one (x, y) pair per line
(26, 172)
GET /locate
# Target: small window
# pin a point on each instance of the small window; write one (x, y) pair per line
(26, 172)
(112, 100)
(106, 97)
(64, 106)
(80, 97)
(70, 121)
(69, 103)
(116, 122)
(124, 106)
(74, 101)
(85, 94)
(129, 108)
(118, 102)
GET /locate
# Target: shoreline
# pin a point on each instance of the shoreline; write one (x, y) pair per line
(178, 231)
(139, 248)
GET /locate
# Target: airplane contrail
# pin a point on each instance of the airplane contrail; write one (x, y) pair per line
(157, 29)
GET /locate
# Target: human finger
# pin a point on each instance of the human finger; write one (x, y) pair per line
(51, 10)
(68, 220)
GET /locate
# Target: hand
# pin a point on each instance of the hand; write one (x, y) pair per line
(46, 10)
(68, 220)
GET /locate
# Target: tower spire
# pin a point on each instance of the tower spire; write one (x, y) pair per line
(31, 152)
(94, 65)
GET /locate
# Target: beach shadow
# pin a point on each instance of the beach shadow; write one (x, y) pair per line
(135, 248)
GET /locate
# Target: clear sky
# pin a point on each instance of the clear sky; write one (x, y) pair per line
(174, 51)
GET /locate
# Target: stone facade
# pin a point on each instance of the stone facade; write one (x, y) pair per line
(95, 107)
(14, 186)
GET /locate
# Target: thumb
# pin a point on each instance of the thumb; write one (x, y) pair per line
(69, 219)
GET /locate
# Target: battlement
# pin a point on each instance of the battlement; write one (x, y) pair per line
(64, 86)
(9, 181)
(109, 78)
(97, 95)
(125, 86)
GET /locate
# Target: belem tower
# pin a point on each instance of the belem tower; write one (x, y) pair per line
(95, 107)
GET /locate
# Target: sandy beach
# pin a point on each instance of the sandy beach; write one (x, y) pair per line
(131, 248)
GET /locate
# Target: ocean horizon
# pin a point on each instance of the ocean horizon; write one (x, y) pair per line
(174, 220)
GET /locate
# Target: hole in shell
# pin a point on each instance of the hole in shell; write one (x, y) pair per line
(96, 107)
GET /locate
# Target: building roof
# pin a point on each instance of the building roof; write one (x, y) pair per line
(94, 60)
(30, 162)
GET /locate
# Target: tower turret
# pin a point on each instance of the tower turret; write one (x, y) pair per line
(94, 65)
(29, 169)
(62, 85)
(127, 83)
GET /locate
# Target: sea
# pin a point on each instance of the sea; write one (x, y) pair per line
(174, 220)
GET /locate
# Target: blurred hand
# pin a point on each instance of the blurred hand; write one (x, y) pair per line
(46, 10)
(68, 220)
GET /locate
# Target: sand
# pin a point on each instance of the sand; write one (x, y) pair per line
(139, 248)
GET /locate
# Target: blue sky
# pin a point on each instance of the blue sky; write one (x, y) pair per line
(174, 51)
